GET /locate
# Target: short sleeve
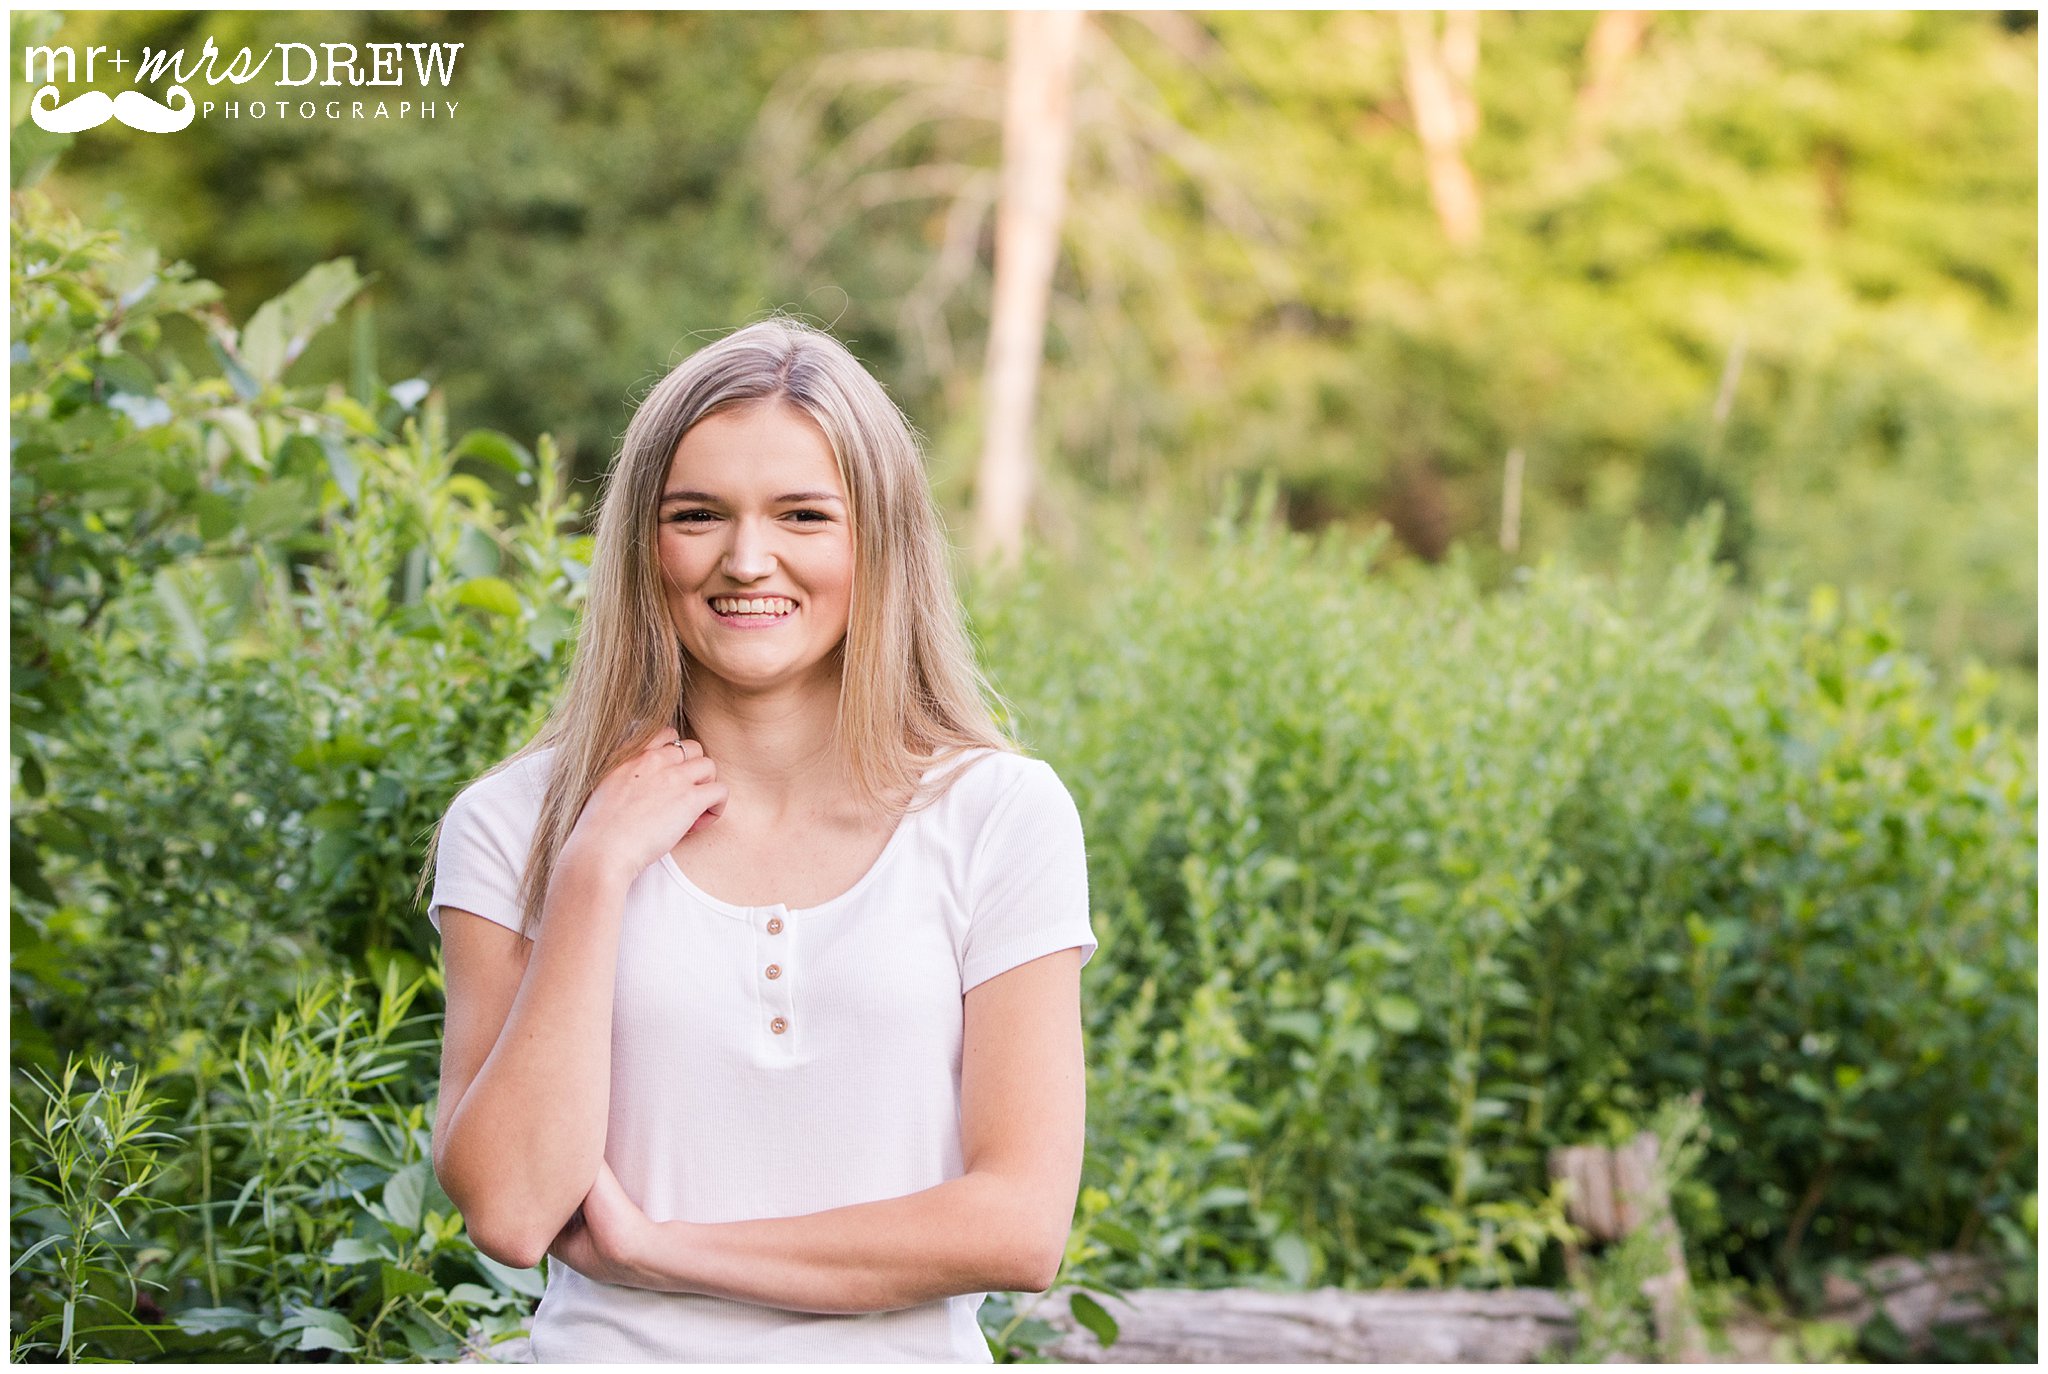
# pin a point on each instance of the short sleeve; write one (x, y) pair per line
(1027, 880)
(481, 856)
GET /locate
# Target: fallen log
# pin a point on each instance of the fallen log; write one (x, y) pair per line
(1322, 1326)
(1500, 1326)
(1917, 1295)
(1497, 1326)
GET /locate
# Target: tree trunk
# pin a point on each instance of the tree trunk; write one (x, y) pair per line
(1037, 133)
(1616, 36)
(1439, 78)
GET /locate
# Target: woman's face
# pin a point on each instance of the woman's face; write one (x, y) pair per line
(754, 509)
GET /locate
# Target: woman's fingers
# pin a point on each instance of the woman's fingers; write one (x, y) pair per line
(667, 738)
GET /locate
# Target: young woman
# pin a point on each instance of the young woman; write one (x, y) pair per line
(763, 958)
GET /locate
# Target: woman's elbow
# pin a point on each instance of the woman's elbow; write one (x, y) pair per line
(513, 1249)
(1033, 1268)
(511, 1240)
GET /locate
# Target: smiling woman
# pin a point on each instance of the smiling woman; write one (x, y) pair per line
(763, 957)
(749, 560)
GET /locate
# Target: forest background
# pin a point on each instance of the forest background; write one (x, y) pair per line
(1651, 446)
(1785, 262)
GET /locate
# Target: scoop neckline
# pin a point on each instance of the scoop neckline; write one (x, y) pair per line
(735, 909)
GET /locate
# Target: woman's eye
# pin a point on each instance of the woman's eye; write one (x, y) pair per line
(688, 517)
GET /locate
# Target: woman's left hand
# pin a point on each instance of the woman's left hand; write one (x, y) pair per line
(609, 1238)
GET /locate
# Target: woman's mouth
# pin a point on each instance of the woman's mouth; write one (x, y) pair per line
(752, 613)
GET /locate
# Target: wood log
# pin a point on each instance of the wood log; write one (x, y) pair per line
(1323, 1326)
(1499, 1326)
(1918, 1295)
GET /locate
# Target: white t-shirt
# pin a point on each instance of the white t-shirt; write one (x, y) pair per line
(717, 1115)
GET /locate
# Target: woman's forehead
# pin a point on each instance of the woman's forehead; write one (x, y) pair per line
(755, 449)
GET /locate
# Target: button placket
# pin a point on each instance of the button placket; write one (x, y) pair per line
(775, 950)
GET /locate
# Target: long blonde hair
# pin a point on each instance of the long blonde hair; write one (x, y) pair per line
(911, 692)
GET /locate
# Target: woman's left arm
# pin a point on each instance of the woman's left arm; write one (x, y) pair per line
(999, 1227)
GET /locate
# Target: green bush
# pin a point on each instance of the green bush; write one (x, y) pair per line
(269, 638)
(1399, 883)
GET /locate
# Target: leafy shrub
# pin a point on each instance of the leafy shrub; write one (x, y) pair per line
(80, 1157)
(1400, 885)
(270, 686)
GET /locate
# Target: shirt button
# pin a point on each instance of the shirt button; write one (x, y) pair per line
(775, 925)
(778, 1025)
(775, 970)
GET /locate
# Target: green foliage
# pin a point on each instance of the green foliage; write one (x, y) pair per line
(1400, 882)
(292, 1210)
(1829, 217)
(1403, 884)
(273, 680)
(80, 1156)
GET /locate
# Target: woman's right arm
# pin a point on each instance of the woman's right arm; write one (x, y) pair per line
(526, 1064)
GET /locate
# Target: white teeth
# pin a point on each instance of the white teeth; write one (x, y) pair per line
(774, 605)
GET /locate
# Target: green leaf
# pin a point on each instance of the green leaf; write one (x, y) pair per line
(1120, 1238)
(497, 449)
(1304, 1026)
(321, 1338)
(321, 1329)
(1397, 1013)
(242, 430)
(1094, 1316)
(476, 553)
(281, 507)
(406, 1193)
(246, 387)
(354, 1250)
(476, 1295)
(493, 594)
(1291, 1253)
(205, 1321)
(551, 625)
(219, 514)
(339, 814)
(527, 1282)
(341, 465)
(395, 1282)
(281, 327)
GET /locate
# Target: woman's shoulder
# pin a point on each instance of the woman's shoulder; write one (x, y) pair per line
(515, 787)
(985, 779)
(966, 772)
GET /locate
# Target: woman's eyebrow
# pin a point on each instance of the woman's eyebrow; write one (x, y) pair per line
(708, 497)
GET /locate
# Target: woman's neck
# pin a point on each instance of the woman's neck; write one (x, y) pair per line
(777, 755)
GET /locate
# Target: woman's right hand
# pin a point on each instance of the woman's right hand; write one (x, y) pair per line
(643, 807)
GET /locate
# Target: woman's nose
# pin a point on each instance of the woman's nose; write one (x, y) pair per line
(748, 556)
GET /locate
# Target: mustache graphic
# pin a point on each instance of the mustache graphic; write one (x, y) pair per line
(95, 108)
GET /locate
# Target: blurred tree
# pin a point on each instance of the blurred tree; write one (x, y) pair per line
(1439, 74)
(1037, 130)
(1617, 34)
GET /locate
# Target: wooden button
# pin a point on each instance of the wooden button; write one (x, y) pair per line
(775, 925)
(775, 970)
(778, 1025)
